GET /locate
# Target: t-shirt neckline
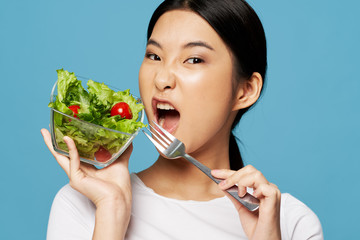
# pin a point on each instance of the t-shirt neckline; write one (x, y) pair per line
(136, 179)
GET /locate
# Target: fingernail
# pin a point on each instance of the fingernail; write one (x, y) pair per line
(254, 193)
(241, 192)
(222, 183)
(215, 171)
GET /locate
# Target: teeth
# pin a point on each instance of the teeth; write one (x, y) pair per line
(164, 106)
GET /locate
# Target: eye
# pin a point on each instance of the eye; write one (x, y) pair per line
(194, 60)
(153, 56)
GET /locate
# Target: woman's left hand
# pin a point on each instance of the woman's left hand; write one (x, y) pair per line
(265, 222)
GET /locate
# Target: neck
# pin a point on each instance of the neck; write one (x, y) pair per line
(188, 181)
(178, 178)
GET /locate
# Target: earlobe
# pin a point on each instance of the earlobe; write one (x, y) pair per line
(248, 92)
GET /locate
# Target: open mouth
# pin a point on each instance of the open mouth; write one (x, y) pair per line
(166, 116)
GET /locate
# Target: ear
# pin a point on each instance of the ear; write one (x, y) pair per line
(248, 92)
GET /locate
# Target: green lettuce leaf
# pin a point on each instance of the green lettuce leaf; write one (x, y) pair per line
(95, 106)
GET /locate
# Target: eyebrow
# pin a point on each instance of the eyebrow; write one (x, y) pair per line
(153, 42)
(198, 44)
(187, 45)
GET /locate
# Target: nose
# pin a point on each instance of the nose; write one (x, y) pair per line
(165, 79)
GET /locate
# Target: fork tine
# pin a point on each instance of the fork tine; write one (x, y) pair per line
(157, 145)
(159, 139)
(160, 134)
(165, 132)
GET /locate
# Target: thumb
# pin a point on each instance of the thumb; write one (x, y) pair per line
(123, 159)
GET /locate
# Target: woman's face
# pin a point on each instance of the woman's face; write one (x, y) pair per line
(186, 80)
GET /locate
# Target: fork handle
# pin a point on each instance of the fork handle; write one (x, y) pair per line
(248, 200)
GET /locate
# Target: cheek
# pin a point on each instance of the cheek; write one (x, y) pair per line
(210, 108)
(142, 80)
(145, 87)
(208, 111)
(212, 96)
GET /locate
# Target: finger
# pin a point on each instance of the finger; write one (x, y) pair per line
(243, 178)
(120, 167)
(74, 156)
(61, 159)
(227, 173)
(251, 180)
(48, 141)
(230, 177)
(268, 190)
(123, 159)
(222, 173)
(270, 199)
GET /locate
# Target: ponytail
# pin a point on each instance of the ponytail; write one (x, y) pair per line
(236, 161)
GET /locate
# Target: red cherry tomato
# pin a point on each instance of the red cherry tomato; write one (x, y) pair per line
(75, 109)
(102, 155)
(122, 109)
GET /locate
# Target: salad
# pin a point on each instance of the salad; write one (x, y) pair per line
(97, 105)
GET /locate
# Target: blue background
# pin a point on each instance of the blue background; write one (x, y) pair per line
(303, 135)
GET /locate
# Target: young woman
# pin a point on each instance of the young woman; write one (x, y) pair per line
(204, 66)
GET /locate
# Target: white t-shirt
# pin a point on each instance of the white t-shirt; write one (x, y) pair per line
(153, 216)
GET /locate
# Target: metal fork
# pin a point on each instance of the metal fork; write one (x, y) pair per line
(173, 148)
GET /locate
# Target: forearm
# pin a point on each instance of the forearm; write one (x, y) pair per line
(111, 221)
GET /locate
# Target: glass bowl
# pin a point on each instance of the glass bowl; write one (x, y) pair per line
(104, 149)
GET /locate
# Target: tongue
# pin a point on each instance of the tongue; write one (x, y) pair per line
(169, 119)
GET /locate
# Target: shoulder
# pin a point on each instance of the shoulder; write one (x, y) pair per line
(71, 211)
(298, 221)
(69, 199)
(68, 194)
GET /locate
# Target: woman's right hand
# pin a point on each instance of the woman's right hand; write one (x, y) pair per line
(108, 188)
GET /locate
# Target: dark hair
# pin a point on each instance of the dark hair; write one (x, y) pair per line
(240, 28)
